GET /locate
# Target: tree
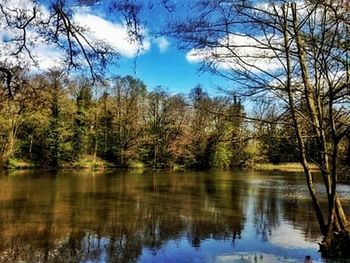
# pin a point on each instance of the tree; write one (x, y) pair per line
(217, 129)
(51, 24)
(17, 111)
(166, 116)
(83, 97)
(55, 148)
(296, 54)
(129, 95)
(277, 140)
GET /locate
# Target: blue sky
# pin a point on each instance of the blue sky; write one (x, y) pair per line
(165, 65)
(170, 69)
(159, 63)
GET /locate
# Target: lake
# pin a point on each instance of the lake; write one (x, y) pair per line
(135, 216)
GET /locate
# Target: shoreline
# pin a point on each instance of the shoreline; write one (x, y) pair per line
(283, 167)
(261, 167)
(104, 165)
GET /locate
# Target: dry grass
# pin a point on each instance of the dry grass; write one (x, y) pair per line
(283, 167)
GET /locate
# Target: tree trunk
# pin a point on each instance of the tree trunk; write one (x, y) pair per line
(31, 144)
(348, 152)
(301, 144)
(336, 242)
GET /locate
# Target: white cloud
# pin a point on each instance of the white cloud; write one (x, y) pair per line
(231, 51)
(252, 49)
(162, 44)
(45, 56)
(48, 55)
(302, 7)
(113, 34)
(22, 4)
(198, 55)
(296, 238)
(288, 237)
(240, 257)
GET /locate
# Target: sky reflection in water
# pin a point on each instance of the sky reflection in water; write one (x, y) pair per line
(166, 217)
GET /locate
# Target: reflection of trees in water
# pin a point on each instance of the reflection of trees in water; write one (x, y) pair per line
(301, 215)
(80, 218)
(274, 206)
(266, 214)
(213, 227)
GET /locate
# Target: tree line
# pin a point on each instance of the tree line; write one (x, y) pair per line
(56, 121)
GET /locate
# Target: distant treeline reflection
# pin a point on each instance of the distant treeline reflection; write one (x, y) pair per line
(113, 218)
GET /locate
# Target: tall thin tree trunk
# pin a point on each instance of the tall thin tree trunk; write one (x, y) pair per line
(301, 144)
(336, 240)
(31, 144)
(312, 105)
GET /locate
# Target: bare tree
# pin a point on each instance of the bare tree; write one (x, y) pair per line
(30, 23)
(296, 55)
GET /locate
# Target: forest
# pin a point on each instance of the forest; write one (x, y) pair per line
(287, 62)
(54, 121)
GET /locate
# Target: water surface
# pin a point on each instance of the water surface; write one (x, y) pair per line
(157, 217)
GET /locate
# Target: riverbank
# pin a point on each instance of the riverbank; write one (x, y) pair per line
(89, 162)
(283, 167)
(84, 163)
(343, 172)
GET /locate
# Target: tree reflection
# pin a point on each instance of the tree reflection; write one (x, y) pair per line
(74, 217)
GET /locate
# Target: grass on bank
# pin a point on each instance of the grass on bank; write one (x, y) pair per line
(17, 164)
(88, 162)
(134, 164)
(283, 167)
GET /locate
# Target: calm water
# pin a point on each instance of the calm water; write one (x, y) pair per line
(166, 217)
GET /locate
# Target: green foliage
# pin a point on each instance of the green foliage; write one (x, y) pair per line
(221, 157)
(80, 139)
(14, 163)
(88, 162)
(120, 126)
(135, 164)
